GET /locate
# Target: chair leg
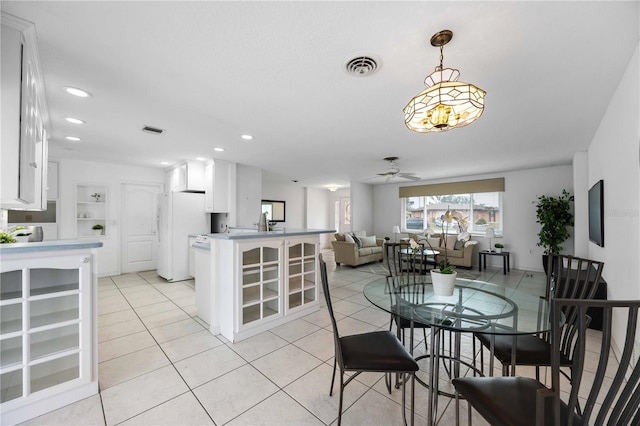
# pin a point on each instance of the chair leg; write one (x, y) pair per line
(341, 392)
(333, 377)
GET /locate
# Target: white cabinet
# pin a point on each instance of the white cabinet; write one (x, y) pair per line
(24, 118)
(187, 176)
(48, 336)
(91, 210)
(218, 178)
(275, 280)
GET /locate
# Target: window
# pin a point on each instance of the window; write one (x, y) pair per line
(483, 210)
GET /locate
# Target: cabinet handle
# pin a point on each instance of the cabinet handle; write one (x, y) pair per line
(85, 260)
(34, 165)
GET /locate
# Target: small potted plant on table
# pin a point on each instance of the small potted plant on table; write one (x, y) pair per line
(499, 247)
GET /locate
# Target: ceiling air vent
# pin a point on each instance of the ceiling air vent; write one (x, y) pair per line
(361, 66)
(152, 130)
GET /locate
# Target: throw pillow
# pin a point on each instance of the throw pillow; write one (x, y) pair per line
(348, 238)
(357, 240)
(457, 245)
(451, 241)
(369, 241)
(339, 237)
(435, 242)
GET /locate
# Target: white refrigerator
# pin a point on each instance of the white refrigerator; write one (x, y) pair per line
(179, 215)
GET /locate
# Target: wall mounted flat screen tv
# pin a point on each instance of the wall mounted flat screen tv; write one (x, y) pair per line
(596, 213)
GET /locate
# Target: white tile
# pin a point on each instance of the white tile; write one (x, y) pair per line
(120, 329)
(312, 392)
(319, 344)
(233, 393)
(165, 318)
(192, 344)
(278, 410)
(156, 308)
(116, 317)
(86, 412)
(128, 366)
(208, 365)
(286, 364)
(373, 409)
(182, 410)
(258, 345)
(115, 348)
(175, 330)
(294, 330)
(140, 394)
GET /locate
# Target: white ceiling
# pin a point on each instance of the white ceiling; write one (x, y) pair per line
(208, 72)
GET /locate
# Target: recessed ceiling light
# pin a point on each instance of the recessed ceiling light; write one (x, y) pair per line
(247, 137)
(165, 163)
(73, 138)
(77, 92)
(74, 120)
(218, 149)
(201, 159)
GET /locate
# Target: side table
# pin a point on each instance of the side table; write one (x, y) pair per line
(506, 264)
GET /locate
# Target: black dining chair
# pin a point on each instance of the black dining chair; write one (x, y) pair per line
(406, 273)
(568, 277)
(377, 351)
(612, 396)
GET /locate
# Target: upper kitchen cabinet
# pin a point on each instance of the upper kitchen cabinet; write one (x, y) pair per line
(24, 118)
(219, 179)
(186, 176)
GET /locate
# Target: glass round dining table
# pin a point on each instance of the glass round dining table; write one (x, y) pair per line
(474, 307)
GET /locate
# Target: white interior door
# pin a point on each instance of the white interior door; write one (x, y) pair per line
(139, 243)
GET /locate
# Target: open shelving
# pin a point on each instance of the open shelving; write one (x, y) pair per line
(91, 209)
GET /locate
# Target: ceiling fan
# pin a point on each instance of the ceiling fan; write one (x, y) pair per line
(394, 171)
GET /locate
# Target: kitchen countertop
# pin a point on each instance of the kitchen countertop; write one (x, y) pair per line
(205, 245)
(54, 245)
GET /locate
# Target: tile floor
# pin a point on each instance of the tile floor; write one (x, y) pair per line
(158, 363)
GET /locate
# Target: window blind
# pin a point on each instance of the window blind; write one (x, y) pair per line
(464, 187)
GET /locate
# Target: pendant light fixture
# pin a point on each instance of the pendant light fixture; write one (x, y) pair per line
(446, 103)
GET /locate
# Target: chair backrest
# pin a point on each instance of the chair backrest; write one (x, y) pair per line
(391, 256)
(618, 403)
(570, 277)
(327, 298)
(411, 265)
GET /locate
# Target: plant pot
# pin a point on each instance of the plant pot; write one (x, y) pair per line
(97, 232)
(22, 238)
(498, 250)
(443, 283)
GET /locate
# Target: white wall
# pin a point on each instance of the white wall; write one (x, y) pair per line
(74, 172)
(614, 156)
(581, 203)
(248, 196)
(519, 223)
(294, 197)
(362, 213)
(319, 211)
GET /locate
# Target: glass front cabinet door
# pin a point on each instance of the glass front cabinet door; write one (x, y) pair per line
(45, 336)
(302, 273)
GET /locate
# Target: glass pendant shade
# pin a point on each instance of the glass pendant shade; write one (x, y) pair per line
(444, 104)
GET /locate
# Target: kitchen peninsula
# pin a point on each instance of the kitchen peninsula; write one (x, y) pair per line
(249, 282)
(48, 331)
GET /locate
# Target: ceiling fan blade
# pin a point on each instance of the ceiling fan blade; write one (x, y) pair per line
(409, 176)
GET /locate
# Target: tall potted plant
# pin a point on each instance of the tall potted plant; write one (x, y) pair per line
(555, 215)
